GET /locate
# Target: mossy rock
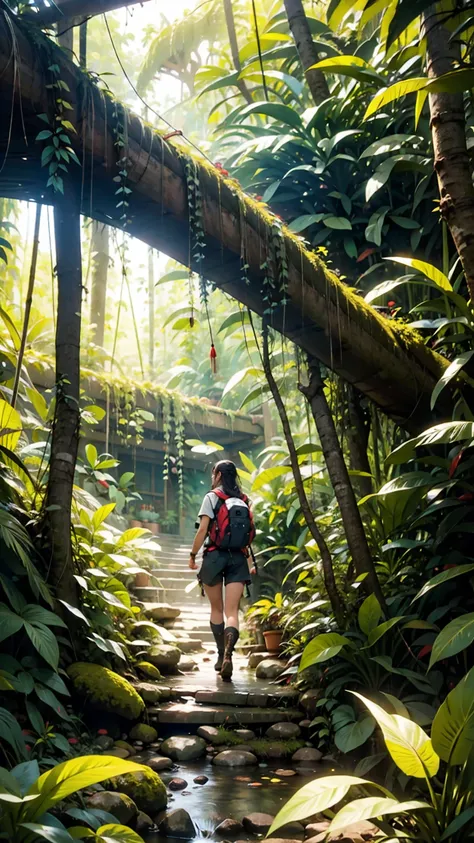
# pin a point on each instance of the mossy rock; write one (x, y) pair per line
(268, 748)
(144, 733)
(124, 745)
(148, 669)
(145, 788)
(105, 690)
(165, 657)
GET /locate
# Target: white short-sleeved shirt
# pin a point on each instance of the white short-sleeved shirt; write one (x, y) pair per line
(209, 504)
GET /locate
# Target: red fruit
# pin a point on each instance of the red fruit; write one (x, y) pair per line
(103, 483)
(467, 496)
(259, 198)
(365, 254)
(102, 732)
(446, 567)
(425, 650)
(391, 303)
(72, 741)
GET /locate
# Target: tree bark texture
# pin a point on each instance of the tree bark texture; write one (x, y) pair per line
(100, 268)
(151, 315)
(357, 435)
(306, 50)
(65, 433)
(326, 560)
(451, 157)
(340, 480)
(234, 48)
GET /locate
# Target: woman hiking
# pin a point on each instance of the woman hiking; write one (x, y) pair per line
(226, 527)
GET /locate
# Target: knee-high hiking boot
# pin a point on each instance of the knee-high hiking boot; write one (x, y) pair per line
(217, 630)
(231, 636)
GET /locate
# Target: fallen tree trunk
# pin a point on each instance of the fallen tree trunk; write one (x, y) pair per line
(387, 362)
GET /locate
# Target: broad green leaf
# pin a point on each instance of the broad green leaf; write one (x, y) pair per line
(389, 143)
(240, 317)
(458, 823)
(452, 732)
(47, 832)
(406, 482)
(370, 613)
(394, 92)
(407, 743)
(48, 698)
(440, 434)
(38, 401)
(73, 775)
(322, 648)
(10, 622)
(403, 161)
(371, 807)
(44, 642)
(381, 630)
(300, 223)
(268, 475)
(339, 223)
(174, 275)
(115, 833)
(457, 364)
(313, 798)
(354, 734)
(456, 81)
(36, 614)
(454, 638)
(10, 426)
(91, 454)
(10, 732)
(352, 66)
(442, 577)
(239, 376)
(421, 98)
(277, 110)
(435, 275)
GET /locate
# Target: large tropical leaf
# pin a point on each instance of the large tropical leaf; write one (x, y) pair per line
(315, 797)
(322, 648)
(431, 272)
(407, 743)
(452, 732)
(443, 577)
(455, 637)
(71, 776)
(370, 613)
(371, 807)
(395, 92)
(457, 364)
(280, 112)
(440, 434)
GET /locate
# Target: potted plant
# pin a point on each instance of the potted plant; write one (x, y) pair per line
(268, 612)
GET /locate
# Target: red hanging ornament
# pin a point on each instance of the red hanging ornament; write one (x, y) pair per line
(213, 357)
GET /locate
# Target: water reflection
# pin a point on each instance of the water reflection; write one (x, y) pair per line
(225, 797)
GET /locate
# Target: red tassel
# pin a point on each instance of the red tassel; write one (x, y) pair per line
(213, 357)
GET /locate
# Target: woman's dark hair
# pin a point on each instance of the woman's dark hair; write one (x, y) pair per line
(229, 479)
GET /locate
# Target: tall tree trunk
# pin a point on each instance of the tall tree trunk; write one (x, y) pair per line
(326, 560)
(151, 315)
(100, 267)
(234, 48)
(357, 435)
(307, 52)
(451, 158)
(340, 480)
(65, 433)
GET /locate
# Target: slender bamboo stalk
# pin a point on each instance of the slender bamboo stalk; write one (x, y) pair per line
(28, 303)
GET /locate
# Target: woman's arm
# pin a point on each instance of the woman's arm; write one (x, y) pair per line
(198, 542)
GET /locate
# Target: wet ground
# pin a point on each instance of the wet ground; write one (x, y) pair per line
(223, 796)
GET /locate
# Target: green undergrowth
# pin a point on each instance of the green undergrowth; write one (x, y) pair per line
(269, 748)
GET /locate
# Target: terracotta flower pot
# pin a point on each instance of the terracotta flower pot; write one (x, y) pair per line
(273, 640)
(155, 528)
(142, 580)
(135, 523)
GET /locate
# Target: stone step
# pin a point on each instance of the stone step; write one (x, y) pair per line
(208, 715)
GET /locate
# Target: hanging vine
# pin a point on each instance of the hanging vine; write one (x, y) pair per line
(166, 409)
(57, 151)
(120, 130)
(179, 434)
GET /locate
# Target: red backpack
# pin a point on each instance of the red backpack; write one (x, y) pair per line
(232, 527)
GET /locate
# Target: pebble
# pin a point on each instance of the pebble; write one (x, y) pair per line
(285, 773)
(201, 780)
(177, 784)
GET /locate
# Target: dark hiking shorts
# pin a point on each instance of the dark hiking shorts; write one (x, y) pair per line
(224, 566)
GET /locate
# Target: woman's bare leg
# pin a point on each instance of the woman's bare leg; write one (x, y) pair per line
(233, 596)
(214, 595)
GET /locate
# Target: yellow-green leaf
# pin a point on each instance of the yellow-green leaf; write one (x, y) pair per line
(101, 514)
(394, 92)
(313, 798)
(10, 426)
(369, 808)
(452, 732)
(435, 275)
(407, 743)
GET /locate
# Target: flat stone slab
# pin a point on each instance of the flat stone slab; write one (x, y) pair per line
(207, 715)
(252, 698)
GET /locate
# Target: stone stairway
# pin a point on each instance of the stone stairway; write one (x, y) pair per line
(173, 577)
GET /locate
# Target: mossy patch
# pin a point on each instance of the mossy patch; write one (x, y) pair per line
(148, 669)
(105, 690)
(143, 732)
(268, 748)
(145, 788)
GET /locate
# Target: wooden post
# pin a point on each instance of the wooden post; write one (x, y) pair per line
(65, 435)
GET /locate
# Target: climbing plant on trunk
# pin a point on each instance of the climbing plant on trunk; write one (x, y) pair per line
(65, 434)
(448, 127)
